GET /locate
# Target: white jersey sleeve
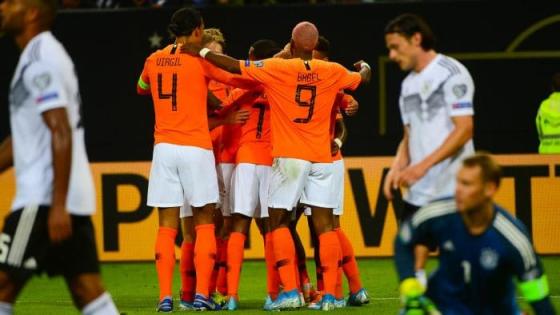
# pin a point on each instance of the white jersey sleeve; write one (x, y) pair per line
(459, 93)
(45, 86)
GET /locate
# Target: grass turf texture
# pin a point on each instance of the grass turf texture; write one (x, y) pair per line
(134, 289)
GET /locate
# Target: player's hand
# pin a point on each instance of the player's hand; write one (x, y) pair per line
(352, 107)
(238, 117)
(59, 224)
(334, 148)
(413, 299)
(391, 183)
(412, 174)
(191, 49)
(358, 65)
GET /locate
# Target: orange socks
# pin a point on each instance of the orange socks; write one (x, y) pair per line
(222, 262)
(188, 274)
(330, 256)
(284, 255)
(204, 256)
(165, 260)
(349, 264)
(339, 291)
(272, 277)
(235, 260)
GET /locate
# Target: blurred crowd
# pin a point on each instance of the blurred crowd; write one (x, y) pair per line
(110, 4)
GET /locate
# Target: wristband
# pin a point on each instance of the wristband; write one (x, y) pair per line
(365, 65)
(338, 142)
(203, 52)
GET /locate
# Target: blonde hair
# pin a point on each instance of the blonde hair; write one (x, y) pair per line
(213, 35)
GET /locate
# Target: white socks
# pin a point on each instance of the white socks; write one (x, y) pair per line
(103, 305)
(6, 308)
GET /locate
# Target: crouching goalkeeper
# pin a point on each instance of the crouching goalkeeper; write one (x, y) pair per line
(482, 248)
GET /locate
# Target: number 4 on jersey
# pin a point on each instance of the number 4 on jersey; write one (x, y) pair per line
(172, 95)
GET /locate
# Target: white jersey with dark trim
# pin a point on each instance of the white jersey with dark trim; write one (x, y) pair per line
(45, 79)
(429, 100)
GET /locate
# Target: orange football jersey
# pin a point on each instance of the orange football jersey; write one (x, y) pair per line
(254, 144)
(178, 84)
(301, 94)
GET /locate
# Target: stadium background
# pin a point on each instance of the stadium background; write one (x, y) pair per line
(511, 53)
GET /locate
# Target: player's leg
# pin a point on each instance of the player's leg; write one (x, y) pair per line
(358, 295)
(166, 193)
(318, 193)
(223, 234)
(301, 268)
(76, 259)
(245, 188)
(316, 250)
(199, 182)
(272, 276)
(13, 276)
(421, 252)
(286, 185)
(186, 264)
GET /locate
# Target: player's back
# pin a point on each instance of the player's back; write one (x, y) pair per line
(254, 142)
(301, 95)
(475, 272)
(179, 91)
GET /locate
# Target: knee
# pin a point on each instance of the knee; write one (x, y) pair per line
(85, 289)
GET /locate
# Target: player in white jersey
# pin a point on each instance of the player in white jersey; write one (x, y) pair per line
(49, 228)
(436, 105)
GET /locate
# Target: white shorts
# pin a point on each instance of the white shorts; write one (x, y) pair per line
(295, 180)
(185, 210)
(180, 173)
(225, 171)
(338, 187)
(250, 184)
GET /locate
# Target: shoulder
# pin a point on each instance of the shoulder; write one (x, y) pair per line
(515, 234)
(439, 209)
(453, 68)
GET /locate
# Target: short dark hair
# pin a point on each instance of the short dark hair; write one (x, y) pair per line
(184, 21)
(556, 82)
(265, 48)
(409, 24)
(323, 46)
(490, 170)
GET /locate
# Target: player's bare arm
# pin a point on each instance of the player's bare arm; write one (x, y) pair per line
(460, 135)
(6, 154)
(213, 102)
(364, 69)
(229, 118)
(340, 135)
(219, 60)
(352, 107)
(402, 159)
(59, 224)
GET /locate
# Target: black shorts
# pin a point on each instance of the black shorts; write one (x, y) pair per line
(25, 247)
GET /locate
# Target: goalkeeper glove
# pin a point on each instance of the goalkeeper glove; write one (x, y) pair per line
(413, 300)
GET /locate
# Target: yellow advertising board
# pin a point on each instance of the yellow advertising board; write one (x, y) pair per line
(126, 228)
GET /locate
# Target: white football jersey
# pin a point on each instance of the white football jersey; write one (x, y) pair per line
(428, 101)
(45, 79)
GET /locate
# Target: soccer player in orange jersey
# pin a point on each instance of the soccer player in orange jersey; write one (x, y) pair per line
(301, 93)
(250, 181)
(183, 152)
(214, 39)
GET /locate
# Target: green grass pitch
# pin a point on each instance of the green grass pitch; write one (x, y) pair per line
(134, 289)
